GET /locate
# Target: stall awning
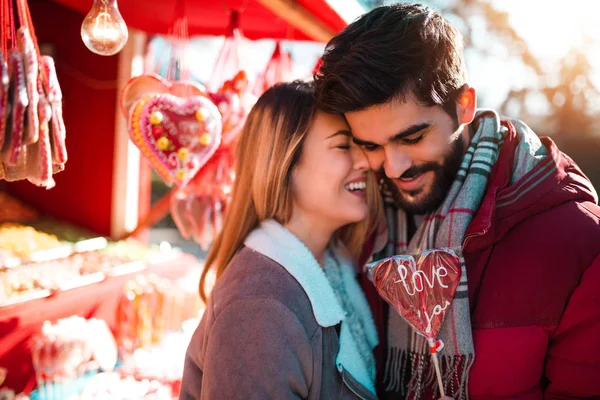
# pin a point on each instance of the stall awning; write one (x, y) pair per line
(276, 19)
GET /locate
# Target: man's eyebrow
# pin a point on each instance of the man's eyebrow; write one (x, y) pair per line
(344, 132)
(363, 142)
(411, 130)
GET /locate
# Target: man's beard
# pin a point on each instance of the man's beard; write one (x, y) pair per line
(444, 175)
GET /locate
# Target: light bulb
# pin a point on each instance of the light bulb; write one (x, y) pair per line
(103, 30)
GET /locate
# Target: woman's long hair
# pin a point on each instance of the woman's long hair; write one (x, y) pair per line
(268, 149)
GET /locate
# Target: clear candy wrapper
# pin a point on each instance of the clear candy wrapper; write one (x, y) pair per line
(198, 208)
(419, 287)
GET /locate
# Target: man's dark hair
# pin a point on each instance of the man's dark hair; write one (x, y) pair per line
(392, 52)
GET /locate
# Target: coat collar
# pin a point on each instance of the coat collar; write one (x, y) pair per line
(280, 245)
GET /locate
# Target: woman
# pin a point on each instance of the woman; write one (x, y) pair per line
(286, 318)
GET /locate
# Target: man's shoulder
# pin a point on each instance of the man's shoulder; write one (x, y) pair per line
(577, 217)
(569, 232)
(533, 269)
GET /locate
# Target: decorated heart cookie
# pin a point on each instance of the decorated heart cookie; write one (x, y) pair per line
(178, 135)
(142, 85)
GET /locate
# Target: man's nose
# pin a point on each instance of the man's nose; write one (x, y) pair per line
(396, 162)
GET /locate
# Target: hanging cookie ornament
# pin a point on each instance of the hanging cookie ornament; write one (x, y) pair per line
(178, 135)
(32, 133)
(174, 123)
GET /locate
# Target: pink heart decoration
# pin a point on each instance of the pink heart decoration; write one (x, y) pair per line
(142, 85)
(178, 135)
(420, 291)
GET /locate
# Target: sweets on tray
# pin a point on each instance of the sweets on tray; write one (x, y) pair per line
(70, 348)
(22, 240)
(64, 231)
(13, 210)
(149, 308)
(116, 387)
(131, 250)
(92, 262)
(8, 394)
(54, 274)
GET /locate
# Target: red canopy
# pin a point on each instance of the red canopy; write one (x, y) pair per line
(211, 17)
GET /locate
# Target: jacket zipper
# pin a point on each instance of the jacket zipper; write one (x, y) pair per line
(354, 390)
(466, 240)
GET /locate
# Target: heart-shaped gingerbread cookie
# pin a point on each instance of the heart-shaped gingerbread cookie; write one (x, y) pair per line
(178, 135)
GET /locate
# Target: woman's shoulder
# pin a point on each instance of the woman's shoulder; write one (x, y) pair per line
(250, 276)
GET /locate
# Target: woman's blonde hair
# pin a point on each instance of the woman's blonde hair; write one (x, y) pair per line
(269, 147)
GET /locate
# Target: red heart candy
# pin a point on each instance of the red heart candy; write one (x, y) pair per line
(191, 131)
(421, 291)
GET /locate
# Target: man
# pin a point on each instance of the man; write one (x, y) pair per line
(525, 323)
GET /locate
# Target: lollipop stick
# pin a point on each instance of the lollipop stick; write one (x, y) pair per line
(436, 364)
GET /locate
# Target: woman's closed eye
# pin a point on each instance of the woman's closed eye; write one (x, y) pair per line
(343, 146)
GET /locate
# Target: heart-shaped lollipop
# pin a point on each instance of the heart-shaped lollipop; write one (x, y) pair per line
(420, 290)
(178, 135)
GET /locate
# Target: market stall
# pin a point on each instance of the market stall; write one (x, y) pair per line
(63, 261)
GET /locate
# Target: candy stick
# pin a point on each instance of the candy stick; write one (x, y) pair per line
(436, 364)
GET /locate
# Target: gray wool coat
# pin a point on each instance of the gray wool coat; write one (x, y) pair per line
(261, 337)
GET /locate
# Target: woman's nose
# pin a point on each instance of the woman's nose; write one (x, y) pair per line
(359, 158)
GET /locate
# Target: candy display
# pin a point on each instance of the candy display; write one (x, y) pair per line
(76, 358)
(22, 240)
(149, 308)
(131, 250)
(69, 349)
(114, 386)
(65, 232)
(55, 274)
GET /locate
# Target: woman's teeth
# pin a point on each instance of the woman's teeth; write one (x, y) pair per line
(356, 186)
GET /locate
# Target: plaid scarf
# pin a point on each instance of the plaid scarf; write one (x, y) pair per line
(409, 371)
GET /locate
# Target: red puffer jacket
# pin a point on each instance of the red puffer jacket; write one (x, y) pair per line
(533, 265)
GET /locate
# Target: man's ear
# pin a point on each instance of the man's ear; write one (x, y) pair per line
(466, 105)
